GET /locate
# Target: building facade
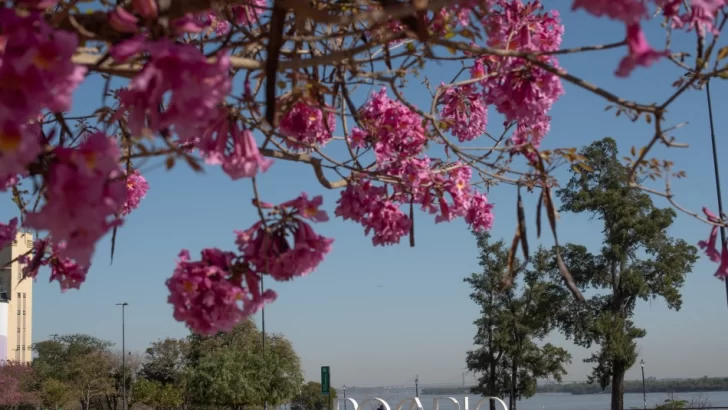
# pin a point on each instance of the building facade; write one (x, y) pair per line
(16, 298)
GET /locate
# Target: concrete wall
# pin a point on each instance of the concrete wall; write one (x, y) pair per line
(20, 304)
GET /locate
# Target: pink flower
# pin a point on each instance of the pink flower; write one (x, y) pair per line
(224, 143)
(640, 52)
(136, 189)
(307, 125)
(369, 205)
(711, 248)
(267, 249)
(247, 14)
(20, 145)
(465, 112)
(181, 74)
(480, 213)
(68, 273)
(209, 295)
(8, 232)
(123, 21)
(628, 11)
(308, 209)
(85, 192)
(146, 8)
(393, 129)
(700, 15)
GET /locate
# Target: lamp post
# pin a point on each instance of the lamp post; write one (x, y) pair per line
(123, 355)
(262, 320)
(344, 397)
(717, 173)
(417, 386)
(644, 391)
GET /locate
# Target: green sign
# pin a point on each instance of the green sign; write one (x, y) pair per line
(325, 380)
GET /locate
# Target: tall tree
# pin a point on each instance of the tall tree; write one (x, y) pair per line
(511, 322)
(638, 260)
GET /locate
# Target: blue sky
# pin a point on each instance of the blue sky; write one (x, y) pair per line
(420, 320)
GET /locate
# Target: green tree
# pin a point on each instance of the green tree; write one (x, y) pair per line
(310, 397)
(165, 361)
(80, 362)
(157, 395)
(511, 322)
(638, 260)
(54, 394)
(231, 369)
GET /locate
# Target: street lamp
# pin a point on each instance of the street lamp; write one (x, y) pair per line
(644, 391)
(417, 388)
(123, 356)
(262, 320)
(344, 397)
(717, 172)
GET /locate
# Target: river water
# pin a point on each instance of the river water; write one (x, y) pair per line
(542, 401)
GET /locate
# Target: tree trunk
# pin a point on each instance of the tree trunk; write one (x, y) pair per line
(617, 387)
(514, 381)
(491, 383)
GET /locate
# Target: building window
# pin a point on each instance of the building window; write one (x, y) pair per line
(18, 295)
(23, 312)
(18, 312)
(18, 329)
(23, 295)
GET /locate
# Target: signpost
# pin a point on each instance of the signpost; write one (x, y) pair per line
(326, 383)
(325, 380)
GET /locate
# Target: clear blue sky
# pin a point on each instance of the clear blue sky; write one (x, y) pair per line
(420, 321)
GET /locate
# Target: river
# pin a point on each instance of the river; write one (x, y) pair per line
(544, 401)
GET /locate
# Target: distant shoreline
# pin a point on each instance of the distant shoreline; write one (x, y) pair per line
(704, 384)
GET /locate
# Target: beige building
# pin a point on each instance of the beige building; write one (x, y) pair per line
(19, 295)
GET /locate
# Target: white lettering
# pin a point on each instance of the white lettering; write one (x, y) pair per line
(415, 404)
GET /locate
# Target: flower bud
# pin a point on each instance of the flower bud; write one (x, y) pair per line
(145, 8)
(123, 21)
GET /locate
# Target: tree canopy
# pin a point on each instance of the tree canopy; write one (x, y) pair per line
(638, 260)
(512, 321)
(310, 397)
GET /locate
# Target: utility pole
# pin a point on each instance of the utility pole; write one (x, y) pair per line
(123, 355)
(644, 391)
(262, 319)
(717, 175)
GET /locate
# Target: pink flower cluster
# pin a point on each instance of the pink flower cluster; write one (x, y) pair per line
(697, 14)
(223, 288)
(521, 90)
(194, 87)
(36, 73)
(136, 189)
(85, 192)
(65, 270)
(711, 246)
(391, 128)
(443, 190)
(464, 112)
(8, 232)
(307, 125)
(225, 143)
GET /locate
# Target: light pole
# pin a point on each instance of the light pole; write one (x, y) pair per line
(123, 355)
(344, 397)
(644, 391)
(417, 387)
(717, 173)
(262, 320)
